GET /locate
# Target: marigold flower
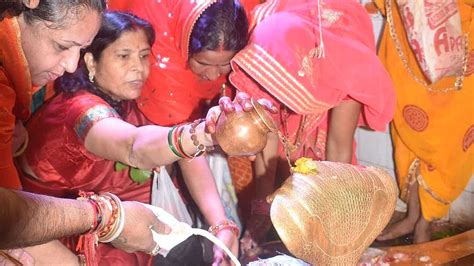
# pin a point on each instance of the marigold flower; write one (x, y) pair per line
(305, 166)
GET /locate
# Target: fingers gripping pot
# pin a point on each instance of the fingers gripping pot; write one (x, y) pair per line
(244, 133)
(330, 217)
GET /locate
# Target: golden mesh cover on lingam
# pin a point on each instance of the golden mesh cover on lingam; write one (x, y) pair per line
(331, 217)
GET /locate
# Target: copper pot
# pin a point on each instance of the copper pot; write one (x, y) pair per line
(244, 133)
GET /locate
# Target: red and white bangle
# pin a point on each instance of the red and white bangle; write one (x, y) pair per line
(224, 225)
(117, 221)
(109, 215)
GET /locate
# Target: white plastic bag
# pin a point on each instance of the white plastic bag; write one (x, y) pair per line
(165, 195)
(434, 32)
(180, 232)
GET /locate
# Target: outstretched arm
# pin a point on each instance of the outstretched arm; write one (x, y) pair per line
(202, 187)
(144, 147)
(29, 219)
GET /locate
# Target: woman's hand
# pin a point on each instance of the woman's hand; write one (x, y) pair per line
(230, 240)
(136, 235)
(241, 101)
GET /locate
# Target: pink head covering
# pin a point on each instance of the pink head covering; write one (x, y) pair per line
(281, 62)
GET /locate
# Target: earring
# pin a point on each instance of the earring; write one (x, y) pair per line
(91, 77)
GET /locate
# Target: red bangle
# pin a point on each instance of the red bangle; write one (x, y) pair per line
(178, 139)
(97, 220)
(97, 217)
(112, 224)
(223, 225)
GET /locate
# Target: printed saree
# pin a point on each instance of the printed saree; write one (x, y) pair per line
(15, 96)
(432, 131)
(281, 64)
(62, 166)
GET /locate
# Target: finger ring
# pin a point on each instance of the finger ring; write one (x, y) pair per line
(155, 250)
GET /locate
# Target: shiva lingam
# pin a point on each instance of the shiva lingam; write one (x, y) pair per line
(330, 214)
(244, 133)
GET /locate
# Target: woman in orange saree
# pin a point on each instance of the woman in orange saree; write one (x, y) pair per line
(432, 130)
(317, 62)
(27, 62)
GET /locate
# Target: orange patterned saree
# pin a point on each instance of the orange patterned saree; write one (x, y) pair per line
(433, 127)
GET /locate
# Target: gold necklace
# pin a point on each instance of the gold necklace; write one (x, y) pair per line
(458, 83)
(284, 136)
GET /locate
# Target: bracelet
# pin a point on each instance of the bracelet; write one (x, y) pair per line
(97, 215)
(178, 139)
(105, 233)
(98, 211)
(224, 225)
(200, 148)
(171, 144)
(108, 224)
(117, 224)
(109, 230)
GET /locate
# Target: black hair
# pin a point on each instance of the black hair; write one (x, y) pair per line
(222, 25)
(114, 24)
(58, 12)
(10, 8)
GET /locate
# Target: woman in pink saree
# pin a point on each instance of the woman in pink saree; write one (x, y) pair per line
(317, 62)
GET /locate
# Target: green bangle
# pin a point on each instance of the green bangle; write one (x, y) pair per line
(171, 144)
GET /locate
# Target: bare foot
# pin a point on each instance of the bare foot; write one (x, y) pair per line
(422, 231)
(398, 229)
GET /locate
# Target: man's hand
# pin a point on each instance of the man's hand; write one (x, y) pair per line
(136, 235)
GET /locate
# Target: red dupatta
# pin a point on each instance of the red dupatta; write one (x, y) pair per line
(281, 63)
(172, 93)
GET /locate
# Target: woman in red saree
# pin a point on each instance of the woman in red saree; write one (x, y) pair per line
(196, 41)
(317, 62)
(88, 129)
